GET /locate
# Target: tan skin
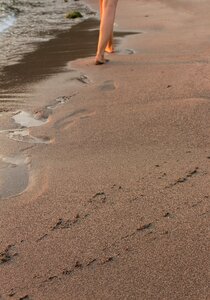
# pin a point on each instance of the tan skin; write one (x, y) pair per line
(105, 42)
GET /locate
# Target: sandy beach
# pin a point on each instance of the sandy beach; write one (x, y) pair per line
(104, 173)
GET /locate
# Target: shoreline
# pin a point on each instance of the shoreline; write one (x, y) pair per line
(31, 27)
(34, 66)
(118, 201)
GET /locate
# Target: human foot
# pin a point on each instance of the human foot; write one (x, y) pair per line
(100, 60)
(109, 49)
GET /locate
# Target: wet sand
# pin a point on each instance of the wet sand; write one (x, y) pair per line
(49, 59)
(117, 202)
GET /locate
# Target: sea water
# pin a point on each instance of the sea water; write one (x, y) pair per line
(23, 23)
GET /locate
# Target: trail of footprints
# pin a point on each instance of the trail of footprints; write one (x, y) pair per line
(100, 198)
(11, 184)
(185, 178)
(97, 201)
(27, 120)
(111, 253)
(103, 258)
(189, 175)
(40, 117)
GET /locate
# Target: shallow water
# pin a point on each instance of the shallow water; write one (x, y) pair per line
(26, 22)
(40, 43)
(14, 175)
(25, 119)
(6, 23)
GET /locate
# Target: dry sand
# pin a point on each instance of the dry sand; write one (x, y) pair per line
(117, 198)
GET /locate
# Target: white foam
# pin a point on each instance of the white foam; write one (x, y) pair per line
(6, 23)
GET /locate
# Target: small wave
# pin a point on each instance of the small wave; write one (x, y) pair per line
(6, 22)
(26, 23)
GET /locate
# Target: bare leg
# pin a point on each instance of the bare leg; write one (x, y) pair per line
(108, 10)
(109, 47)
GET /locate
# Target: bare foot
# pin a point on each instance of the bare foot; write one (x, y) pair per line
(109, 49)
(100, 60)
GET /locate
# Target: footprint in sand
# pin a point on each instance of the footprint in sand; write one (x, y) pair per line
(83, 79)
(14, 175)
(60, 101)
(70, 119)
(107, 86)
(23, 135)
(26, 119)
(126, 52)
(8, 254)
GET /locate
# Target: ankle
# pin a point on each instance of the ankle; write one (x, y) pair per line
(100, 55)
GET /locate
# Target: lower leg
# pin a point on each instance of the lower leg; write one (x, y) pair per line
(108, 10)
(109, 47)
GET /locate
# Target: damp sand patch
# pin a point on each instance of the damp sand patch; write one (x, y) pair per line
(26, 119)
(126, 51)
(23, 135)
(14, 175)
(108, 85)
